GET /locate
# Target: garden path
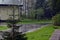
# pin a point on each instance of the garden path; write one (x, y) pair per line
(55, 35)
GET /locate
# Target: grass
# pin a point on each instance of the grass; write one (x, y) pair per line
(29, 21)
(3, 27)
(41, 34)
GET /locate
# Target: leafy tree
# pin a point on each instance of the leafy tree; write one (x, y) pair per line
(56, 6)
(39, 3)
(39, 13)
(56, 20)
(48, 9)
(32, 13)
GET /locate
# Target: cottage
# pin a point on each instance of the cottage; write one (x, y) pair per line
(6, 8)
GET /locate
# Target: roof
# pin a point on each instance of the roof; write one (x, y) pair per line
(11, 2)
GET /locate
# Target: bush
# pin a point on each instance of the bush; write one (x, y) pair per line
(56, 20)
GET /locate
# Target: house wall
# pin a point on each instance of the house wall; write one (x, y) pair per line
(5, 11)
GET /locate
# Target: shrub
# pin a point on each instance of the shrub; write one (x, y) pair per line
(56, 20)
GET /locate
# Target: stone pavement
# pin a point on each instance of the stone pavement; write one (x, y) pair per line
(55, 35)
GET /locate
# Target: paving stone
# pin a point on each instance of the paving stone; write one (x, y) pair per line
(55, 35)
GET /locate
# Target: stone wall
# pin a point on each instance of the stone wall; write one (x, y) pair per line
(5, 11)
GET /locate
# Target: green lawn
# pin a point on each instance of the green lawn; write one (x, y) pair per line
(41, 34)
(29, 21)
(3, 28)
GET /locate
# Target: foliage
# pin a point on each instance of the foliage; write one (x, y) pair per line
(56, 20)
(56, 6)
(32, 13)
(41, 34)
(39, 13)
(39, 3)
